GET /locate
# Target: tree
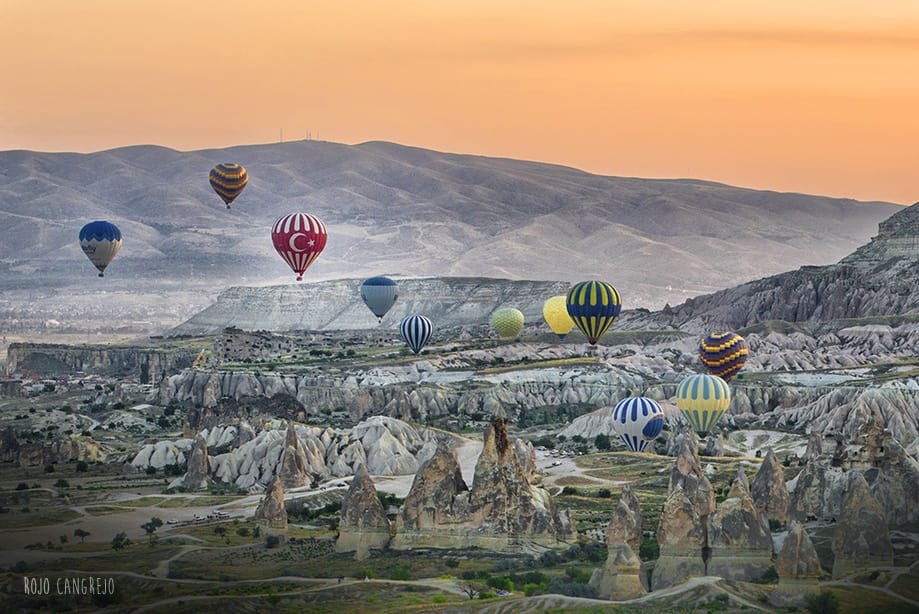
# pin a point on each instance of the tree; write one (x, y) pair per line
(82, 466)
(62, 483)
(81, 533)
(120, 541)
(152, 525)
(601, 442)
(471, 590)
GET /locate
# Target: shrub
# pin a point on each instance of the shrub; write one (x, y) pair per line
(82, 466)
(572, 589)
(578, 575)
(549, 558)
(604, 493)
(439, 599)
(486, 595)
(401, 573)
(770, 576)
(649, 549)
(532, 588)
(272, 541)
(823, 602)
(502, 583)
(570, 491)
(451, 563)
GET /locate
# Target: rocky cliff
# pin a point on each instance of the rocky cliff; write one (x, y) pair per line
(363, 525)
(619, 578)
(683, 529)
(769, 492)
(198, 467)
(271, 514)
(878, 279)
(819, 491)
(502, 510)
(738, 536)
(298, 453)
(58, 450)
(813, 382)
(148, 365)
(862, 538)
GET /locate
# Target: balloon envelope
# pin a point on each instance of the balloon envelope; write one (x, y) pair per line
(228, 180)
(508, 322)
(593, 305)
(379, 294)
(703, 399)
(723, 354)
(100, 241)
(416, 331)
(299, 238)
(638, 420)
(555, 312)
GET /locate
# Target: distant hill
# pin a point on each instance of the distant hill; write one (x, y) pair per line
(392, 209)
(450, 302)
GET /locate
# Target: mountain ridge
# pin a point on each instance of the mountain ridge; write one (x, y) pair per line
(392, 207)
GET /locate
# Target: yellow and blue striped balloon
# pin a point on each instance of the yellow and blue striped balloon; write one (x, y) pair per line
(593, 305)
(703, 399)
(228, 180)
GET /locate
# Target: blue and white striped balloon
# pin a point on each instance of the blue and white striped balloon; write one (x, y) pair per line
(638, 420)
(416, 331)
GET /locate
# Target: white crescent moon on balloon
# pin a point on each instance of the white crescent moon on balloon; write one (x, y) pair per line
(293, 242)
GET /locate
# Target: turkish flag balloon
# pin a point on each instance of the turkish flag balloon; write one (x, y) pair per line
(299, 238)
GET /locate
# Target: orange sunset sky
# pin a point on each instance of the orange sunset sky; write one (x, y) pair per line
(819, 96)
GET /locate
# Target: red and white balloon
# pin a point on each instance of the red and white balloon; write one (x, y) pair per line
(299, 238)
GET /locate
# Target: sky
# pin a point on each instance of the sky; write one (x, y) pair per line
(818, 97)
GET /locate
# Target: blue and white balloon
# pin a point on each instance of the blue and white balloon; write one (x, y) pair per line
(100, 241)
(416, 331)
(638, 420)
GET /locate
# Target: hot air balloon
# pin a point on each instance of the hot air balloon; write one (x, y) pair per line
(228, 180)
(299, 238)
(508, 322)
(593, 305)
(702, 399)
(638, 420)
(100, 242)
(555, 312)
(416, 331)
(723, 354)
(379, 294)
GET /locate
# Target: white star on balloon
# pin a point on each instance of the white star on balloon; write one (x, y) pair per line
(312, 242)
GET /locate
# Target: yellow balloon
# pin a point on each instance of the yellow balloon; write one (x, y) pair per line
(555, 312)
(508, 322)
